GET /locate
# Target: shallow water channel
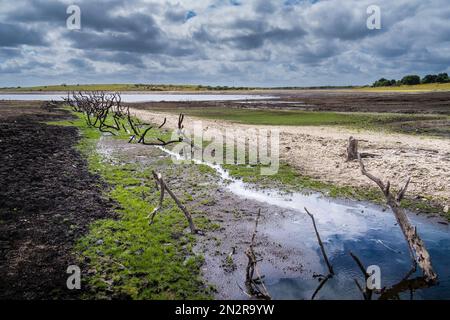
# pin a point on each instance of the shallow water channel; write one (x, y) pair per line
(370, 231)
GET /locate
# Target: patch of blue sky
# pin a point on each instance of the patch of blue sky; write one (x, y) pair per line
(189, 15)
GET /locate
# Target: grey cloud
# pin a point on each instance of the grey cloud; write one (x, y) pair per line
(318, 51)
(80, 64)
(343, 22)
(135, 33)
(13, 35)
(28, 66)
(7, 53)
(38, 11)
(258, 39)
(264, 7)
(249, 43)
(123, 58)
(250, 34)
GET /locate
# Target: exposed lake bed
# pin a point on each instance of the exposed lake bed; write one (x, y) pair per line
(291, 263)
(286, 243)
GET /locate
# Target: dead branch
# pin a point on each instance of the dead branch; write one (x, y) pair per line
(100, 109)
(97, 106)
(180, 121)
(161, 199)
(322, 248)
(360, 288)
(255, 286)
(419, 253)
(321, 284)
(163, 186)
(325, 257)
(366, 292)
(162, 125)
(161, 142)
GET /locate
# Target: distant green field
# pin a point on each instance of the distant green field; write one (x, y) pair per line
(438, 125)
(415, 88)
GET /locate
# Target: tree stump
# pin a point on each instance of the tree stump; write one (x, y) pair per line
(352, 149)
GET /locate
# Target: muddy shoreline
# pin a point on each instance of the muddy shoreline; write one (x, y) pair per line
(48, 198)
(332, 100)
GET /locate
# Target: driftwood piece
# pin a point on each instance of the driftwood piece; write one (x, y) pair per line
(419, 253)
(325, 257)
(255, 286)
(163, 187)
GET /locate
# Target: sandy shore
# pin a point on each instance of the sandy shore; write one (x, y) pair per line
(319, 152)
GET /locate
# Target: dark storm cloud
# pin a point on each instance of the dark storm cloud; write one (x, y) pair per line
(250, 34)
(175, 16)
(134, 33)
(178, 14)
(257, 39)
(341, 23)
(13, 35)
(102, 18)
(122, 58)
(317, 52)
(260, 42)
(39, 11)
(139, 33)
(80, 64)
(6, 53)
(31, 65)
(147, 42)
(263, 6)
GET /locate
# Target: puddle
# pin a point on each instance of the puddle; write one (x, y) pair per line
(368, 230)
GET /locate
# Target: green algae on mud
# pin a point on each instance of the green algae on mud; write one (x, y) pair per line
(127, 258)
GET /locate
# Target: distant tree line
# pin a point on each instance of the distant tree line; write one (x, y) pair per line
(412, 80)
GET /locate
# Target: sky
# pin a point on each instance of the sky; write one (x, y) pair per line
(221, 42)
